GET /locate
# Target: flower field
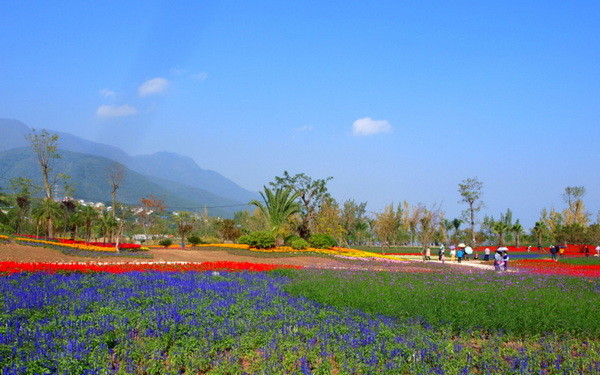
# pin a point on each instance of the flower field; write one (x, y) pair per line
(203, 319)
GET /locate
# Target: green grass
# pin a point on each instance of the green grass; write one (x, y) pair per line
(487, 303)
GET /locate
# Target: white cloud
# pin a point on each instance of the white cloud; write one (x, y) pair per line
(116, 111)
(107, 93)
(199, 76)
(305, 128)
(154, 86)
(368, 126)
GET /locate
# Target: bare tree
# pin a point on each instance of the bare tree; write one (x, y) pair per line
(471, 190)
(116, 174)
(45, 147)
(575, 212)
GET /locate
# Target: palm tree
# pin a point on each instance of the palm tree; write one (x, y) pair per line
(538, 230)
(47, 213)
(517, 229)
(456, 225)
(87, 217)
(107, 224)
(500, 228)
(277, 206)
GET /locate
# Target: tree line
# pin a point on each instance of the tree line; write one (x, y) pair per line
(292, 209)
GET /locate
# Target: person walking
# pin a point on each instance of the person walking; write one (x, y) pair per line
(486, 254)
(498, 260)
(459, 254)
(427, 253)
(452, 254)
(441, 252)
(553, 251)
(505, 260)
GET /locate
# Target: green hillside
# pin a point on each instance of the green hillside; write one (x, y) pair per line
(88, 177)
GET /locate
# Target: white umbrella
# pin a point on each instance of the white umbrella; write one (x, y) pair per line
(469, 250)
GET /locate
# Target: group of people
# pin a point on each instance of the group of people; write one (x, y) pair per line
(456, 253)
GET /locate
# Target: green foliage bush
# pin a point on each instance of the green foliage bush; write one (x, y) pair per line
(298, 244)
(195, 240)
(321, 241)
(165, 242)
(210, 239)
(5, 229)
(259, 239)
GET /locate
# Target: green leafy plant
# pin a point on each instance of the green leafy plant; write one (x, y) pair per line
(259, 239)
(194, 240)
(165, 242)
(298, 244)
(321, 241)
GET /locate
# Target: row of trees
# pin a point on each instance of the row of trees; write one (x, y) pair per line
(291, 205)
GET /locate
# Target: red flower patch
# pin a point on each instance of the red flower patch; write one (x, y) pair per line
(16, 267)
(548, 266)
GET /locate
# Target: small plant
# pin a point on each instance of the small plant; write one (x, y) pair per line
(321, 241)
(259, 239)
(194, 240)
(165, 242)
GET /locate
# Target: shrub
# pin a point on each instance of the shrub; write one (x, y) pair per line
(298, 244)
(210, 239)
(194, 240)
(321, 241)
(288, 240)
(5, 229)
(259, 240)
(165, 242)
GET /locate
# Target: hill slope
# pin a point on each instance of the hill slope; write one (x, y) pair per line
(165, 165)
(88, 177)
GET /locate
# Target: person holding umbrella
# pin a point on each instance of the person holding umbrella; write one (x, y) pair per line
(499, 259)
(452, 253)
(460, 252)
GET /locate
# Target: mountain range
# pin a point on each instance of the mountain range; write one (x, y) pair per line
(177, 178)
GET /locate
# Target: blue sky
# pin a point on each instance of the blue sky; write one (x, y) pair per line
(397, 100)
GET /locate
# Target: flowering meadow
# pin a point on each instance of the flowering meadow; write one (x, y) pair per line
(144, 319)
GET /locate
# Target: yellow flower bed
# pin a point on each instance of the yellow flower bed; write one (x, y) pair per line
(74, 246)
(342, 251)
(230, 245)
(4, 237)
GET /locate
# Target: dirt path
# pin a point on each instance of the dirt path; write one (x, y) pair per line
(20, 253)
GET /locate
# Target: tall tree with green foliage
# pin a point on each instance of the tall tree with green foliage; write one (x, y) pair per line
(277, 207)
(538, 232)
(86, 218)
(311, 194)
(471, 190)
(46, 213)
(353, 221)
(517, 230)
